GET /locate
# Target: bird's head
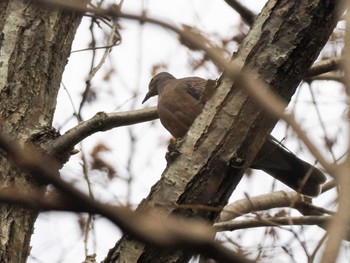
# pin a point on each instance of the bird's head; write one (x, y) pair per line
(155, 84)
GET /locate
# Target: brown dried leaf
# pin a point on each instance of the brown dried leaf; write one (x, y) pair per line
(98, 163)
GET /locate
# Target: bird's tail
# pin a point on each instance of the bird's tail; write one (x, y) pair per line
(276, 160)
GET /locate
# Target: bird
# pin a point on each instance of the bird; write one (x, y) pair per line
(181, 100)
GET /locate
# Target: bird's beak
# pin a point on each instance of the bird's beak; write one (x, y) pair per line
(146, 97)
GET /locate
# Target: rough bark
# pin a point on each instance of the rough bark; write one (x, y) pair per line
(35, 44)
(281, 45)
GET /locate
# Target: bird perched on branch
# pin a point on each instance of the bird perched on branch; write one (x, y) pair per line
(180, 101)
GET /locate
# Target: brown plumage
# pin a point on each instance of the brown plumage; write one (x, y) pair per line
(180, 101)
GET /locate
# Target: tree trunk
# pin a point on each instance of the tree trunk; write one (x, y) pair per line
(35, 43)
(284, 41)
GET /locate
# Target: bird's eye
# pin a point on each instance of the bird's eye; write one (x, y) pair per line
(153, 81)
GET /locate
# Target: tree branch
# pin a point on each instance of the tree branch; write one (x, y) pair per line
(275, 222)
(324, 66)
(269, 201)
(100, 122)
(328, 76)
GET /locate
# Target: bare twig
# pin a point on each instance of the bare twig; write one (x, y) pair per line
(329, 185)
(247, 15)
(334, 76)
(92, 48)
(113, 40)
(100, 122)
(278, 221)
(324, 66)
(322, 124)
(268, 201)
(319, 245)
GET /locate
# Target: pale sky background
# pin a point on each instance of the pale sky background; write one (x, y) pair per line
(57, 237)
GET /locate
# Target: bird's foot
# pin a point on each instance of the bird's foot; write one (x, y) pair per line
(173, 151)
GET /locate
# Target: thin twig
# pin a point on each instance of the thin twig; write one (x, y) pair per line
(324, 66)
(268, 222)
(247, 15)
